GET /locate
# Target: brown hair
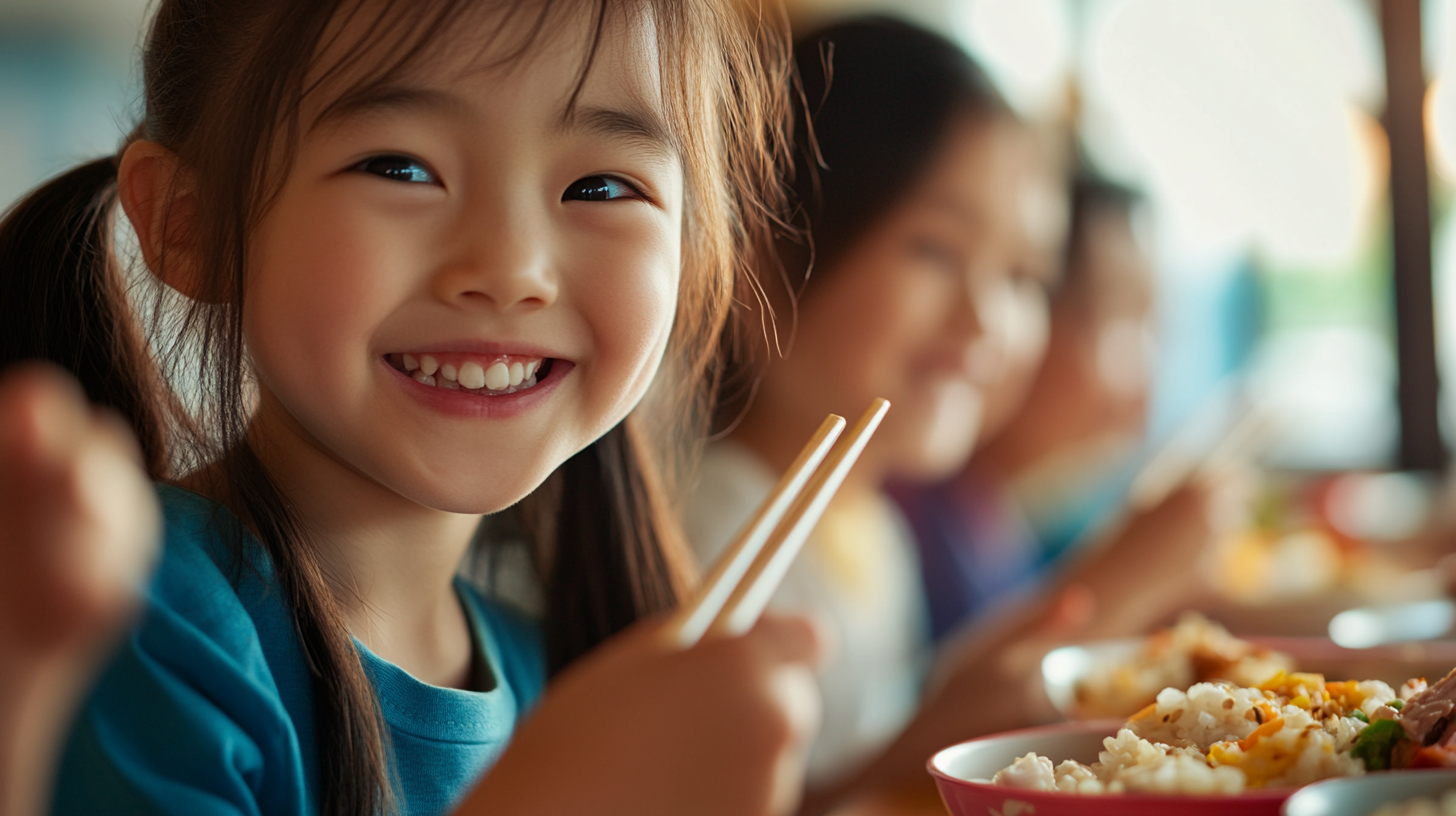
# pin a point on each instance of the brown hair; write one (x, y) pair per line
(224, 83)
(883, 95)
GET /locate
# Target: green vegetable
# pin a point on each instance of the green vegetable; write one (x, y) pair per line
(1396, 704)
(1375, 743)
(1360, 715)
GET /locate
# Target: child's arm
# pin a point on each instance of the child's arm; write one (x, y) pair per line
(78, 525)
(635, 729)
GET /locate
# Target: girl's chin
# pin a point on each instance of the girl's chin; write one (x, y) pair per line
(469, 491)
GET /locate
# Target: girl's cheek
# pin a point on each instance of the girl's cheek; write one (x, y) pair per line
(627, 289)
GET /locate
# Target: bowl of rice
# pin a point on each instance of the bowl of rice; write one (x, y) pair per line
(1115, 678)
(1212, 748)
(964, 774)
(1399, 793)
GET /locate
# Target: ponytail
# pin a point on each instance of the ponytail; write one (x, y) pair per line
(64, 299)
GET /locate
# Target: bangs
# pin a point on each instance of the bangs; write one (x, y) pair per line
(371, 46)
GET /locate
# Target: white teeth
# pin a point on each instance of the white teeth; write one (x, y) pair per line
(497, 377)
(472, 376)
(501, 376)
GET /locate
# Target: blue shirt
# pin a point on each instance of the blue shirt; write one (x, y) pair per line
(207, 707)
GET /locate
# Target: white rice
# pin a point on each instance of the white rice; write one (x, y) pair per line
(1218, 738)
(1193, 651)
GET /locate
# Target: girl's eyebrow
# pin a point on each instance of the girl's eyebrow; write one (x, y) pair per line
(389, 99)
(641, 128)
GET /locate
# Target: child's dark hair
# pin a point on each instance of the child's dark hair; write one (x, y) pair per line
(881, 96)
(1093, 196)
(224, 81)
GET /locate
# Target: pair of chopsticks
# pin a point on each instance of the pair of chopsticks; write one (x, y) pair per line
(735, 592)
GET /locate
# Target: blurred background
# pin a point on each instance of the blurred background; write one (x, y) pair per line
(1295, 259)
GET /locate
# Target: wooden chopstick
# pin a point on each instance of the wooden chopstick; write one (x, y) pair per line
(758, 585)
(693, 620)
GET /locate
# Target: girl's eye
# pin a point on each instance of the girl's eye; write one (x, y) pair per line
(599, 188)
(398, 168)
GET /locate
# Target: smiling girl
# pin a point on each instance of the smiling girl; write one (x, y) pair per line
(421, 263)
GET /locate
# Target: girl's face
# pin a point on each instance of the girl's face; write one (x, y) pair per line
(939, 305)
(464, 280)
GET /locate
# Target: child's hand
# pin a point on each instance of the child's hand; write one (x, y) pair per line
(639, 730)
(78, 526)
(78, 519)
(1156, 562)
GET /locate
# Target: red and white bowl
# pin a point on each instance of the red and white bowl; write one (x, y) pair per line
(963, 773)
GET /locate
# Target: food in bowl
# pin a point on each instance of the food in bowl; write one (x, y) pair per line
(1196, 650)
(1221, 738)
(963, 772)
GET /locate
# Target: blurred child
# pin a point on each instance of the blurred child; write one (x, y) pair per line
(1080, 416)
(1087, 409)
(935, 228)
(419, 259)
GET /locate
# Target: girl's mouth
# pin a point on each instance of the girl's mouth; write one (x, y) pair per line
(486, 375)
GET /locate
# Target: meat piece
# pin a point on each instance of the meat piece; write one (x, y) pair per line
(1426, 716)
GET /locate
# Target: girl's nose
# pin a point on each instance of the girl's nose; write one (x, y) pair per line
(505, 265)
(975, 308)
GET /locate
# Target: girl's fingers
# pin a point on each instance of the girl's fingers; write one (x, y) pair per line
(122, 510)
(41, 411)
(79, 516)
(789, 639)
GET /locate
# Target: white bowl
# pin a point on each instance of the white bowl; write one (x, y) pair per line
(1063, 668)
(1361, 795)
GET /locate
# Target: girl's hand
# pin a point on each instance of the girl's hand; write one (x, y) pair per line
(1156, 562)
(78, 527)
(640, 730)
(78, 517)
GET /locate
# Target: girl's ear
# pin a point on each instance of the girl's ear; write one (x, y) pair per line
(159, 197)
